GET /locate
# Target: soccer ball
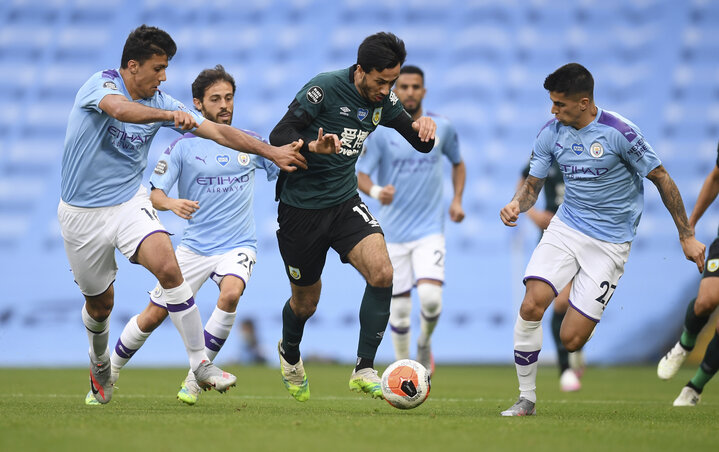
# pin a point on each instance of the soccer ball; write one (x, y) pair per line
(405, 384)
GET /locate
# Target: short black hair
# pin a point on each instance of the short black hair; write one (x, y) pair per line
(209, 77)
(144, 42)
(381, 51)
(572, 78)
(410, 69)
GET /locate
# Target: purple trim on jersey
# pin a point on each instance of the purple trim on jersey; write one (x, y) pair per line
(214, 346)
(546, 125)
(579, 311)
(179, 307)
(172, 145)
(526, 358)
(122, 350)
(213, 274)
(110, 73)
(612, 121)
(540, 279)
(254, 134)
(398, 330)
(134, 255)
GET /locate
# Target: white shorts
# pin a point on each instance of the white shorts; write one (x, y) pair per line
(92, 234)
(565, 254)
(419, 259)
(196, 269)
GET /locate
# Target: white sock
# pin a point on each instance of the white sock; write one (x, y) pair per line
(430, 302)
(217, 330)
(186, 318)
(130, 341)
(399, 322)
(527, 344)
(98, 333)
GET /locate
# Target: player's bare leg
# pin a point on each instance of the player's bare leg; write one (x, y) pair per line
(370, 258)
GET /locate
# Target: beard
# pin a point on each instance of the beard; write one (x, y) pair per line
(413, 111)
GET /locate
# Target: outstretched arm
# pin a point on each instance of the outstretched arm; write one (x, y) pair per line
(183, 208)
(672, 199)
(122, 109)
(419, 133)
(523, 200)
(707, 195)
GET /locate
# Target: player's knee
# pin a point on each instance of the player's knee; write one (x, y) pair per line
(704, 306)
(168, 274)
(531, 310)
(229, 298)
(304, 306)
(381, 276)
(430, 298)
(400, 311)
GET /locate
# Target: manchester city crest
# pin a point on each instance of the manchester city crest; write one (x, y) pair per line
(243, 158)
(596, 149)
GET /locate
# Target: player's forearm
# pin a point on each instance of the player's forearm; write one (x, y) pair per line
(233, 138)
(459, 177)
(672, 200)
(132, 112)
(288, 129)
(364, 182)
(403, 125)
(528, 192)
(159, 199)
(707, 195)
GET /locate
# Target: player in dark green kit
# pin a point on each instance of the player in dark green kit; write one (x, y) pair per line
(320, 208)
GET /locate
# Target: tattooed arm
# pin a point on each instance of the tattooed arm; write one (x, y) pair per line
(672, 199)
(523, 200)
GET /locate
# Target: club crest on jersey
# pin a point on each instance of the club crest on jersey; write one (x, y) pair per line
(713, 265)
(294, 272)
(578, 148)
(315, 94)
(243, 159)
(110, 85)
(377, 115)
(345, 111)
(596, 149)
(223, 159)
(362, 113)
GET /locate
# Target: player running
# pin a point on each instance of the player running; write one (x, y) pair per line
(320, 208)
(604, 159)
(410, 191)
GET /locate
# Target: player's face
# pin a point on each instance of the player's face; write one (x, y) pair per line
(375, 85)
(410, 90)
(218, 102)
(148, 75)
(568, 109)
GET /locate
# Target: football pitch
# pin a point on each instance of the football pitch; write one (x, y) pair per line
(618, 408)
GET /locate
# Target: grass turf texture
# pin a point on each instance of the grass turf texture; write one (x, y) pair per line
(624, 408)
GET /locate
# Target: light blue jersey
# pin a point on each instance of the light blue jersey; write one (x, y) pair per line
(416, 210)
(604, 165)
(222, 181)
(104, 159)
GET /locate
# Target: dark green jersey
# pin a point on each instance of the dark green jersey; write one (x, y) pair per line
(332, 102)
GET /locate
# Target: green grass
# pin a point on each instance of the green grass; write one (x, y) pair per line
(625, 408)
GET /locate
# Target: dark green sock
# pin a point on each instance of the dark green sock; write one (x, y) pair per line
(374, 315)
(562, 353)
(292, 329)
(709, 365)
(693, 324)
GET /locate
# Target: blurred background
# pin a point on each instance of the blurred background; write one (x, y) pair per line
(654, 61)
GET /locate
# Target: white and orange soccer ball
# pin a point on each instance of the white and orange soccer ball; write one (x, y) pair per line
(405, 384)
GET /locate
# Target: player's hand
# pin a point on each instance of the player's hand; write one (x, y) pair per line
(425, 128)
(325, 144)
(386, 196)
(694, 251)
(510, 213)
(456, 213)
(288, 157)
(183, 120)
(184, 208)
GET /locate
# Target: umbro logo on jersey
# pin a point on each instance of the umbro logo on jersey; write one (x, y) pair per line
(345, 111)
